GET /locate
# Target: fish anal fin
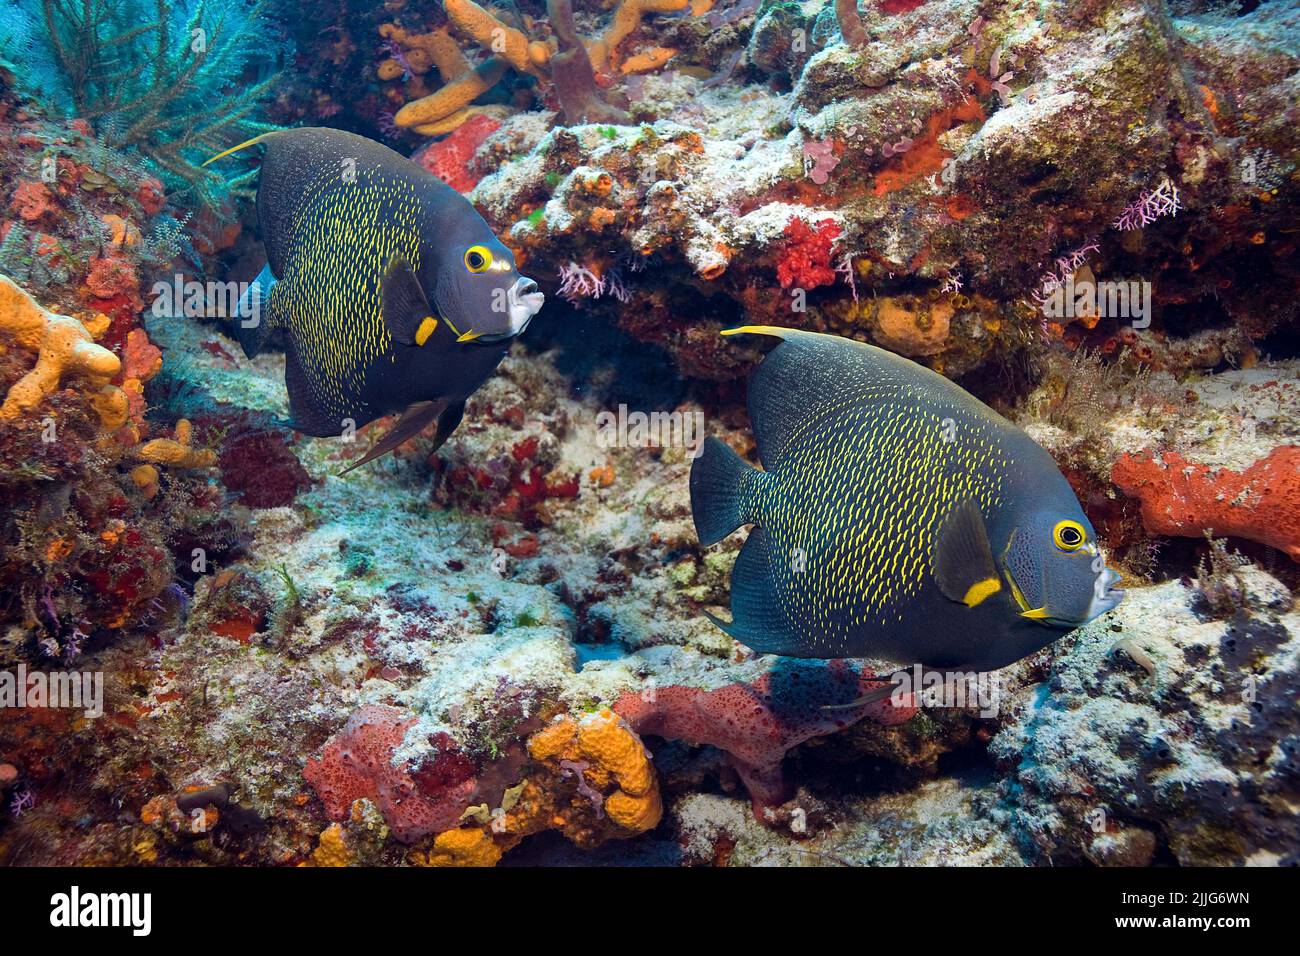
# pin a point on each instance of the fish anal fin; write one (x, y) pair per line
(304, 414)
(962, 559)
(413, 421)
(757, 617)
(406, 309)
(447, 422)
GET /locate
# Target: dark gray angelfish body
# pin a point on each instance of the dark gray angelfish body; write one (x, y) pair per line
(390, 291)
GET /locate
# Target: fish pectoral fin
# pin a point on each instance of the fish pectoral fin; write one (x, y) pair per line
(413, 421)
(406, 310)
(962, 559)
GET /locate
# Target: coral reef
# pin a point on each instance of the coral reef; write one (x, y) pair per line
(497, 652)
(940, 186)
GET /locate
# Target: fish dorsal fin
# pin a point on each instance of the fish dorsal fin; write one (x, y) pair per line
(962, 559)
(314, 181)
(806, 370)
(407, 314)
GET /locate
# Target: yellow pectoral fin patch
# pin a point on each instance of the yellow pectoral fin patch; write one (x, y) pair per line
(980, 590)
(425, 330)
(1037, 613)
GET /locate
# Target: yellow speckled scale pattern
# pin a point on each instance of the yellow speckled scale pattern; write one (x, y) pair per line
(862, 489)
(342, 238)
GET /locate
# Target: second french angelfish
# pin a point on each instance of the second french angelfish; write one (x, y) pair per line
(896, 517)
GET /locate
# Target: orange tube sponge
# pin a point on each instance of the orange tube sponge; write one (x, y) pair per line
(64, 349)
(332, 850)
(608, 742)
(626, 19)
(491, 34)
(647, 60)
(637, 814)
(612, 756)
(467, 846)
(455, 96)
(459, 118)
(436, 48)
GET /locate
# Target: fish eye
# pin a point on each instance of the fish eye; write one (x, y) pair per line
(478, 259)
(1069, 535)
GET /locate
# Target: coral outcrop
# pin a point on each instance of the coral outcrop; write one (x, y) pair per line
(358, 762)
(759, 721)
(1164, 734)
(939, 165)
(1261, 503)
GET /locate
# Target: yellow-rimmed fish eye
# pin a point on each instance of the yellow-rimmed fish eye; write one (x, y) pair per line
(478, 259)
(1069, 535)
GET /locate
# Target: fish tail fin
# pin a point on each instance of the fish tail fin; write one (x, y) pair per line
(253, 322)
(757, 618)
(719, 478)
(234, 149)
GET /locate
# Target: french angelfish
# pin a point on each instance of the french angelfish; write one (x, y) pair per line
(390, 291)
(896, 517)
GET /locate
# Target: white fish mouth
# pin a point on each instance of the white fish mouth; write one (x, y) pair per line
(1105, 595)
(523, 301)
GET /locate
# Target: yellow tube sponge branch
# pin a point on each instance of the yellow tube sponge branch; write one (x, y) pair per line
(647, 60)
(437, 49)
(64, 349)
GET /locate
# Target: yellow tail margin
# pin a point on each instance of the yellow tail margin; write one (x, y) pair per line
(235, 149)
